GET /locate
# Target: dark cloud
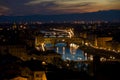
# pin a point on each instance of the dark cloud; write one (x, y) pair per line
(13, 3)
(3, 10)
(47, 4)
(43, 7)
(16, 7)
(78, 5)
(52, 8)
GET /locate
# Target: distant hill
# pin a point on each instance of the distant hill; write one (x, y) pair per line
(111, 15)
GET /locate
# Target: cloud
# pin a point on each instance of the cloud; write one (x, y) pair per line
(58, 4)
(114, 0)
(66, 6)
(47, 4)
(3, 10)
(43, 7)
(77, 5)
(16, 7)
(35, 2)
(27, 7)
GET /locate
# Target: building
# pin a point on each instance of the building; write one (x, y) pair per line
(19, 78)
(15, 50)
(101, 41)
(113, 45)
(39, 75)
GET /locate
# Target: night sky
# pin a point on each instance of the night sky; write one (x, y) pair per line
(28, 7)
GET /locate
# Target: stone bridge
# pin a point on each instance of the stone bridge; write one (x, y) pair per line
(56, 40)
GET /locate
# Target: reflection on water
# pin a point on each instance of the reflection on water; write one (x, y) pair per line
(73, 48)
(71, 54)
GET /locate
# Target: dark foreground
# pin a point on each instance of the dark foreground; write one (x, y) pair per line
(105, 71)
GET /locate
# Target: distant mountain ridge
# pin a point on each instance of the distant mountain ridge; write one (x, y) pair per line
(110, 15)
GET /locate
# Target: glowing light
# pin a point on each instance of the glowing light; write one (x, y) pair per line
(57, 49)
(113, 50)
(109, 49)
(73, 48)
(113, 57)
(91, 57)
(42, 44)
(86, 44)
(43, 63)
(67, 58)
(69, 31)
(118, 50)
(79, 58)
(38, 48)
(70, 34)
(63, 40)
(68, 65)
(102, 59)
(85, 54)
(63, 50)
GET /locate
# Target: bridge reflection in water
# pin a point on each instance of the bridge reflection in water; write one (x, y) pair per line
(73, 54)
(70, 53)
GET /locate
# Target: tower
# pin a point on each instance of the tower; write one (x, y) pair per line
(14, 26)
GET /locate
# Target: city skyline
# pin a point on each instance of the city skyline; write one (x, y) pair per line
(28, 7)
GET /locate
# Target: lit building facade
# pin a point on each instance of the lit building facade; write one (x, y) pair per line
(39, 75)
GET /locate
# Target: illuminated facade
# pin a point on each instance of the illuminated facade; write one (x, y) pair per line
(19, 78)
(39, 75)
(101, 41)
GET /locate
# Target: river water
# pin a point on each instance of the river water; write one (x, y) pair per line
(68, 53)
(72, 54)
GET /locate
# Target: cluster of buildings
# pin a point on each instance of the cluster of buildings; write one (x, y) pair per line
(23, 42)
(37, 75)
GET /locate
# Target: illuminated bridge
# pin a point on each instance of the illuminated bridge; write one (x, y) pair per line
(54, 36)
(59, 33)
